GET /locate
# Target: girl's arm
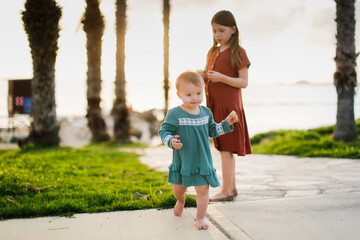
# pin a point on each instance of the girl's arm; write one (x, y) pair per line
(240, 82)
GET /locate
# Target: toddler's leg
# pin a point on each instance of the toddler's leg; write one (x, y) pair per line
(179, 193)
(202, 200)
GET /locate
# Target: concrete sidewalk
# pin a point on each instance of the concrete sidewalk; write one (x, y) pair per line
(275, 176)
(332, 216)
(280, 197)
(143, 224)
(284, 197)
(327, 216)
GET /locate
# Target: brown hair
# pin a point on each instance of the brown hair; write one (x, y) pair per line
(226, 18)
(189, 77)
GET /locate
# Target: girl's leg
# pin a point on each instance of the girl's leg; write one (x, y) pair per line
(228, 176)
(202, 200)
(234, 179)
(179, 193)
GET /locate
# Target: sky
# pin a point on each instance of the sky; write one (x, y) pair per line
(286, 41)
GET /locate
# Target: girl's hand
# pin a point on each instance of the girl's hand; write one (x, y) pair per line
(214, 76)
(232, 118)
(175, 142)
(202, 73)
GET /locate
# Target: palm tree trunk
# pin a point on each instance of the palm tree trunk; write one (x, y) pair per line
(120, 111)
(94, 27)
(345, 74)
(41, 22)
(166, 21)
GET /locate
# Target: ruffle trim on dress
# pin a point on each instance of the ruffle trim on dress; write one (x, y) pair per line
(189, 172)
(193, 180)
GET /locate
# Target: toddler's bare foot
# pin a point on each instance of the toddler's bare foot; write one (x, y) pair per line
(201, 224)
(178, 209)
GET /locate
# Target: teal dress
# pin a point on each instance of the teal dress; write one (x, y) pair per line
(192, 165)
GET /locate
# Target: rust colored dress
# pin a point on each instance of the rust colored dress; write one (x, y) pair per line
(222, 99)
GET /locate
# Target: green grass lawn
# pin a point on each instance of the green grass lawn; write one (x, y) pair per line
(62, 181)
(315, 142)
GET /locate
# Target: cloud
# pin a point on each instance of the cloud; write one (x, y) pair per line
(182, 5)
(271, 19)
(322, 27)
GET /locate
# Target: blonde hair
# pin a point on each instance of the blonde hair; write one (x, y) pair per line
(189, 77)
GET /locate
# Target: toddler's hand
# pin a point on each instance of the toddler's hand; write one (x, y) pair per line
(175, 142)
(232, 118)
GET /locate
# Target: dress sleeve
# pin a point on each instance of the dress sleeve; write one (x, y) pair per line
(168, 129)
(217, 129)
(245, 62)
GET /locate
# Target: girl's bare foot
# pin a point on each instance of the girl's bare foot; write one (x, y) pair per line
(201, 224)
(178, 209)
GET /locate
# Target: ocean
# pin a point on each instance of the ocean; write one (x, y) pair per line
(267, 106)
(297, 106)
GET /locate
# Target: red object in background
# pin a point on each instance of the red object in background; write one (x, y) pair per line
(19, 101)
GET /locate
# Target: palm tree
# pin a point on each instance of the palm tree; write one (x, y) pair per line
(345, 74)
(93, 22)
(120, 111)
(166, 20)
(41, 23)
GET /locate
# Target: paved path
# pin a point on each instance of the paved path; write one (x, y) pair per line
(284, 197)
(280, 198)
(275, 176)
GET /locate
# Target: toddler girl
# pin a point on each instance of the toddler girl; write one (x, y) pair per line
(186, 130)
